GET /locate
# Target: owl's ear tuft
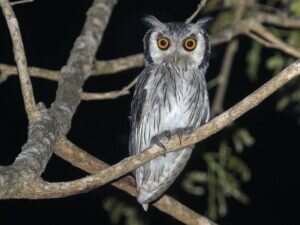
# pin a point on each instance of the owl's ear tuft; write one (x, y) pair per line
(151, 21)
(204, 23)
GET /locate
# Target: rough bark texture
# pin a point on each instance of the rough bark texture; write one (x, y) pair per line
(21, 179)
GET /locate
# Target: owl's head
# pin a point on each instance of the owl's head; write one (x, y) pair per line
(179, 44)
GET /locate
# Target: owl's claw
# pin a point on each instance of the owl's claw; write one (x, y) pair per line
(180, 132)
(162, 137)
(165, 136)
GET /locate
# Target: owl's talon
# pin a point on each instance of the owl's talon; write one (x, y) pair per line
(162, 137)
(180, 132)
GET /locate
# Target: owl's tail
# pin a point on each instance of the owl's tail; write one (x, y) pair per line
(145, 206)
(156, 176)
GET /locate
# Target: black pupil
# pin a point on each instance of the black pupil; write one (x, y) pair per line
(190, 43)
(163, 43)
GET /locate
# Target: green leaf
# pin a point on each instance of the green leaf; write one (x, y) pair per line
(275, 63)
(294, 38)
(192, 180)
(295, 7)
(283, 103)
(240, 167)
(253, 60)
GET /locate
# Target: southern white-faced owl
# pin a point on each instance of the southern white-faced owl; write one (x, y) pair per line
(170, 98)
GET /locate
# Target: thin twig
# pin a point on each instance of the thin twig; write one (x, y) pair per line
(20, 58)
(261, 34)
(200, 6)
(88, 96)
(20, 2)
(255, 30)
(280, 20)
(223, 77)
(118, 65)
(7, 71)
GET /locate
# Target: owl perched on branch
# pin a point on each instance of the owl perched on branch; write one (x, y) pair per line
(170, 98)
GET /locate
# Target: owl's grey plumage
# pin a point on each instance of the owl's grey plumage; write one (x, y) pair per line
(170, 98)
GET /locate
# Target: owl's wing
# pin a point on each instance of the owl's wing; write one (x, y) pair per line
(137, 105)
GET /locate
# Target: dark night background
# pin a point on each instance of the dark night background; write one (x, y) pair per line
(49, 28)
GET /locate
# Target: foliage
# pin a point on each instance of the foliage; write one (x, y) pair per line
(119, 210)
(225, 174)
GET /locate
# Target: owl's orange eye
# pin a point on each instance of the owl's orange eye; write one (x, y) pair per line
(163, 43)
(189, 44)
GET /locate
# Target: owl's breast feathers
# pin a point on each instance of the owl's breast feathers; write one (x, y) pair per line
(166, 98)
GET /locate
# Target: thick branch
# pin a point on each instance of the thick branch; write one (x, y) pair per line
(79, 65)
(18, 179)
(202, 133)
(60, 189)
(81, 159)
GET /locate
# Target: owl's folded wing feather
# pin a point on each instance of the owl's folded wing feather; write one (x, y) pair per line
(137, 106)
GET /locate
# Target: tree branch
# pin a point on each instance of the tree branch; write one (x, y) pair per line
(20, 59)
(261, 34)
(81, 159)
(20, 2)
(109, 95)
(60, 189)
(18, 180)
(254, 30)
(280, 20)
(197, 11)
(223, 77)
(79, 65)
(118, 65)
(6, 71)
(99, 68)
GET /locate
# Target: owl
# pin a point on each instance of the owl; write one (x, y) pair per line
(170, 98)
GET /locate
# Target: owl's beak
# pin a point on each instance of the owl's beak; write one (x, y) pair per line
(179, 59)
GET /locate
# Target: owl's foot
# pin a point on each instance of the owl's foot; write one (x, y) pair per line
(180, 132)
(161, 138)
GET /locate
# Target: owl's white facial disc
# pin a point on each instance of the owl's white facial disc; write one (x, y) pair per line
(177, 54)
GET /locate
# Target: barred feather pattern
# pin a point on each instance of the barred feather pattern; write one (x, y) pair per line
(167, 97)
